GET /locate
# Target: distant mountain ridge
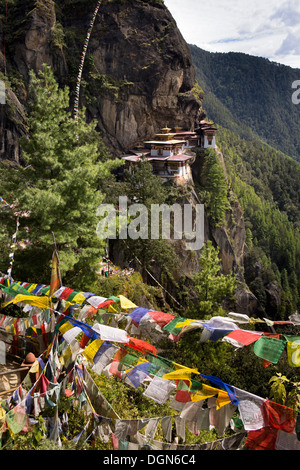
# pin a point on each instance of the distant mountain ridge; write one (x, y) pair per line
(251, 96)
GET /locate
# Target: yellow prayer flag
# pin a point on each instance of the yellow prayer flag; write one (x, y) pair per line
(205, 392)
(126, 303)
(32, 287)
(111, 309)
(253, 321)
(180, 374)
(187, 322)
(67, 305)
(293, 353)
(223, 399)
(65, 327)
(2, 416)
(34, 368)
(91, 350)
(78, 299)
(179, 366)
(65, 356)
(41, 302)
(208, 392)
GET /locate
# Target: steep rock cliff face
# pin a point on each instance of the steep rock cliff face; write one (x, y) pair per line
(138, 73)
(13, 125)
(26, 44)
(142, 73)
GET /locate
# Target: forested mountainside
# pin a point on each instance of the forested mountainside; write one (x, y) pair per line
(251, 96)
(267, 185)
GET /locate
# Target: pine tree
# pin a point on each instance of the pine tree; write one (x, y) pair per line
(143, 186)
(56, 190)
(212, 286)
(215, 189)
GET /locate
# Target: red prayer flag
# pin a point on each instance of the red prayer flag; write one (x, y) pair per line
(280, 416)
(84, 340)
(243, 337)
(106, 303)
(183, 395)
(114, 441)
(114, 367)
(65, 294)
(141, 346)
(161, 318)
(262, 439)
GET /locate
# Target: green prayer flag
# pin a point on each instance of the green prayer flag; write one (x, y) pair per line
(14, 290)
(171, 326)
(130, 360)
(269, 348)
(182, 386)
(72, 295)
(20, 289)
(292, 338)
(196, 385)
(16, 420)
(44, 290)
(123, 445)
(158, 366)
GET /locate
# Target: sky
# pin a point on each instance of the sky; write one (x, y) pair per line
(264, 28)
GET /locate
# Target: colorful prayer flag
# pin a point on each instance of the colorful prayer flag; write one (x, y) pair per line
(269, 348)
(55, 282)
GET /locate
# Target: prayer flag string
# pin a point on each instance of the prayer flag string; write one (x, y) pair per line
(14, 237)
(86, 43)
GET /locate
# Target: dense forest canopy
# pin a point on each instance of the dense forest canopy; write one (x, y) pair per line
(266, 184)
(250, 96)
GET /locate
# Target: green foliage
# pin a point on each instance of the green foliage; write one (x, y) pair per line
(31, 440)
(107, 85)
(133, 288)
(5, 240)
(139, 406)
(258, 289)
(213, 189)
(211, 286)
(143, 187)
(278, 390)
(58, 36)
(56, 190)
(285, 391)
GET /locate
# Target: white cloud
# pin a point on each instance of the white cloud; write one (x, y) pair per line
(288, 13)
(269, 28)
(290, 45)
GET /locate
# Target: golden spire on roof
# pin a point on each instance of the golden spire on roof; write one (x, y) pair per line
(166, 130)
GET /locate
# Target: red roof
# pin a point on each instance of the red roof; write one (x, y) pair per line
(173, 158)
(180, 158)
(185, 133)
